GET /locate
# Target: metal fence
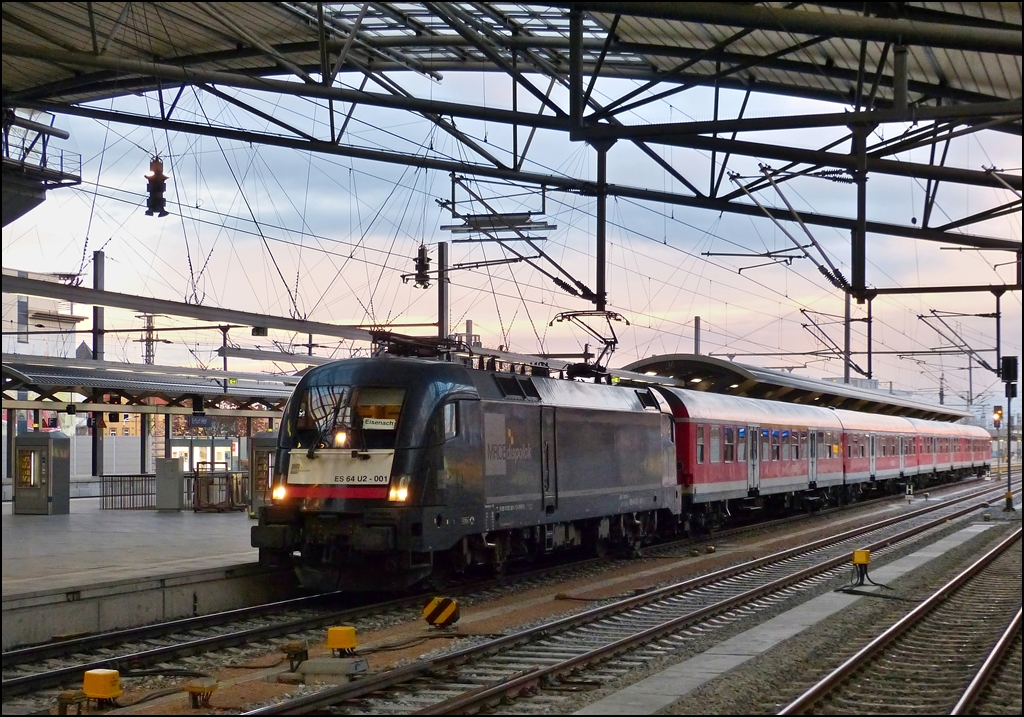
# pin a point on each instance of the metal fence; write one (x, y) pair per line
(32, 149)
(206, 492)
(128, 492)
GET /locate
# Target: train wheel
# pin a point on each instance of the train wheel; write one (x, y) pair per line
(442, 576)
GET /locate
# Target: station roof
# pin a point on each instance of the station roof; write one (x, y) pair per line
(706, 373)
(957, 52)
(138, 384)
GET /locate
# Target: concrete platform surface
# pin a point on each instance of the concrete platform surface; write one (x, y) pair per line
(92, 546)
(662, 689)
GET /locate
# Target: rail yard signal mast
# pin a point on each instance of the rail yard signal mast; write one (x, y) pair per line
(1008, 373)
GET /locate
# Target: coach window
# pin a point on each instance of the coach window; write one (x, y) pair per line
(786, 452)
(864, 447)
(766, 445)
(716, 444)
(799, 444)
(849, 445)
(700, 443)
(776, 452)
(741, 445)
(730, 444)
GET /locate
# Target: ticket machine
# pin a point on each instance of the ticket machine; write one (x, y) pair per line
(42, 481)
(262, 448)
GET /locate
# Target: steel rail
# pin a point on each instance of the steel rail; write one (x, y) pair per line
(60, 649)
(808, 699)
(49, 650)
(988, 667)
(54, 678)
(334, 695)
(482, 696)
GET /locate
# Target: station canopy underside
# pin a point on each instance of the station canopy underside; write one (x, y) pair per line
(940, 71)
(138, 388)
(957, 52)
(706, 373)
(936, 72)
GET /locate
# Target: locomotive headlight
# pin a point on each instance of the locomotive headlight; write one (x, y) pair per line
(400, 491)
(279, 492)
(340, 438)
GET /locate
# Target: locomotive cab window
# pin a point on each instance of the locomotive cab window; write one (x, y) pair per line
(449, 421)
(348, 418)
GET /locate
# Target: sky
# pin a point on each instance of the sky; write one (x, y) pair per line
(327, 238)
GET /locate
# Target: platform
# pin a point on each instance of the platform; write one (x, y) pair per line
(95, 570)
(50, 552)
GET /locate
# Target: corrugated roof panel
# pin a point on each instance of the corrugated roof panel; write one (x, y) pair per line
(874, 422)
(736, 409)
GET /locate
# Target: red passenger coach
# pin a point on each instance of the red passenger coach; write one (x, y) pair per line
(742, 453)
(731, 447)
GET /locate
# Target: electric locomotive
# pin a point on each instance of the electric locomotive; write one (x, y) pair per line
(392, 471)
(395, 470)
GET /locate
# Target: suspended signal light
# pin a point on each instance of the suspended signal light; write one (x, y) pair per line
(157, 185)
(423, 268)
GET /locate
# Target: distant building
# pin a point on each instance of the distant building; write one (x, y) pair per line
(42, 327)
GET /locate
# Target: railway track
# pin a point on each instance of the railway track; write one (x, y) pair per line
(926, 662)
(56, 664)
(600, 645)
(995, 688)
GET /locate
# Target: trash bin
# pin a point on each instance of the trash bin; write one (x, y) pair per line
(42, 481)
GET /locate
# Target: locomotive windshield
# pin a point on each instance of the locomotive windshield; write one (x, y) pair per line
(348, 417)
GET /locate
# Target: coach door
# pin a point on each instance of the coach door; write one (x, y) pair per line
(753, 458)
(548, 463)
(871, 452)
(812, 456)
(903, 452)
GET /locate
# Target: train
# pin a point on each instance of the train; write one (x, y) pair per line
(393, 472)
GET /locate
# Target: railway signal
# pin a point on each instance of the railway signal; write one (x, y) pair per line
(1008, 372)
(422, 268)
(997, 416)
(157, 185)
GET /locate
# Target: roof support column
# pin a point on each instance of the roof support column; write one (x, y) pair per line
(602, 148)
(859, 233)
(442, 290)
(846, 337)
(575, 70)
(97, 355)
(899, 77)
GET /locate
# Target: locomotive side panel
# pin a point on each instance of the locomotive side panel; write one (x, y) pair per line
(511, 457)
(612, 462)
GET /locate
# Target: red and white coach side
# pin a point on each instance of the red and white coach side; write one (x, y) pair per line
(730, 447)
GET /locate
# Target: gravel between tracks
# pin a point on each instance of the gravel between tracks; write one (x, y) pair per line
(768, 682)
